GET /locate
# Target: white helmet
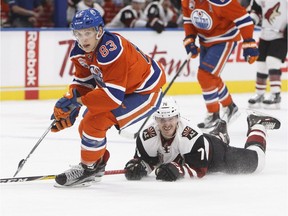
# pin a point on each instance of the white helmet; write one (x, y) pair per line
(167, 109)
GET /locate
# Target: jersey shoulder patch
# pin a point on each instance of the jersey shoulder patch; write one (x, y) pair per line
(189, 132)
(149, 133)
(109, 49)
(220, 2)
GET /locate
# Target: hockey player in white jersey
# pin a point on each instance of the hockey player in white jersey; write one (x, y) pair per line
(175, 147)
(162, 11)
(132, 16)
(273, 50)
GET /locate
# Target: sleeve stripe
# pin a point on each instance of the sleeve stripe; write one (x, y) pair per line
(112, 96)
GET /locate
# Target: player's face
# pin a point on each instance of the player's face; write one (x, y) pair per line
(167, 126)
(166, 4)
(86, 38)
(138, 6)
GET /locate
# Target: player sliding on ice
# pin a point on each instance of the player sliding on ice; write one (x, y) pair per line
(117, 83)
(173, 146)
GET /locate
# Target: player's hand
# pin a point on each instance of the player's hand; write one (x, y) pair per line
(169, 172)
(135, 169)
(66, 111)
(250, 50)
(189, 43)
(156, 25)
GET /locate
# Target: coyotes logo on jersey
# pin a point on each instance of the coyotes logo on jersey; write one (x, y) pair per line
(189, 133)
(272, 13)
(149, 133)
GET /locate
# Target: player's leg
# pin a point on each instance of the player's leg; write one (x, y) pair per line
(261, 76)
(214, 90)
(136, 107)
(94, 155)
(252, 157)
(276, 55)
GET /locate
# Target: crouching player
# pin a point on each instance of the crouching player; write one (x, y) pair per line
(117, 83)
(174, 147)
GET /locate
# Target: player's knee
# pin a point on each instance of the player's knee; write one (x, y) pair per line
(273, 63)
(206, 79)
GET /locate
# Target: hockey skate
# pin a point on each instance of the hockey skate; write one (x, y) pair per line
(269, 122)
(256, 101)
(210, 121)
(82, 175)
(230, 113)
(272, 102)
(220, 131)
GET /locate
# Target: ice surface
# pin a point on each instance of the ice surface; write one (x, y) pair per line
(23, 123)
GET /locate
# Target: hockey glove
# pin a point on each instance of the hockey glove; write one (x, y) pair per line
(189, 43)
(135, 169)
(156, 25)
(169, 172)
(250, 50)
(66, 111)
(171, 24)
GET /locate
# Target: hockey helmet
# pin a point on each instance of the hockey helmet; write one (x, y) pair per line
(89, 18)
(167, 109)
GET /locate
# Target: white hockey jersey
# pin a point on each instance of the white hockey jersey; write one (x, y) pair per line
(273, 17)
(129, 18)
(188, 145)
(155, 9)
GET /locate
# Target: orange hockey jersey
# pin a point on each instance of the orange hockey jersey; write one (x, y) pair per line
(114, 69)
(216, 21)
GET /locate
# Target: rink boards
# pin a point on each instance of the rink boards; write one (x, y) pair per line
(35, 63)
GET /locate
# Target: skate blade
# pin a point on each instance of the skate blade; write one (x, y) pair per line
(254, 106)
(81, 185)
(256, 112)
(97, 179)
(232, 119)
(271, 106)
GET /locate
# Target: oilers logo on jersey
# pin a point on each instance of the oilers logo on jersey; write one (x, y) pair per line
(98, 76)
(201, 19)
(83, 62)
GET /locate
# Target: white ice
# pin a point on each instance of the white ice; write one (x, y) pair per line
(23, 123)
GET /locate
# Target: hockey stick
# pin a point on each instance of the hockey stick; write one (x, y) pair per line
(268, 29)
(23, 161)
(49, 177)
(127, 134)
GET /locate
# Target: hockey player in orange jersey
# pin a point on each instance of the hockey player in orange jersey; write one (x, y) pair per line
(117, 83)
(219, 24)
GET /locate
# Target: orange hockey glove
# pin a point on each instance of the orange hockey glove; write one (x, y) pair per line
(189, 43)
(250, 50)
(66, 111)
